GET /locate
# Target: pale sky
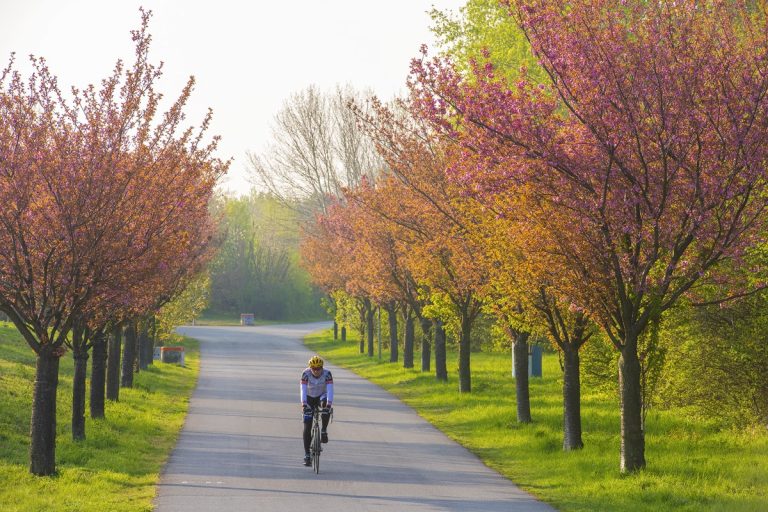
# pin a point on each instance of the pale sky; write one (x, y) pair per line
(247, 56)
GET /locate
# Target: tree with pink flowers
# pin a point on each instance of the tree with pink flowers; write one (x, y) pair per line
(105, 209)
(642, 155)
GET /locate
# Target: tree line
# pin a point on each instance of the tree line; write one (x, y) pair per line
(256, 267)
(595, 174)
(105, 218)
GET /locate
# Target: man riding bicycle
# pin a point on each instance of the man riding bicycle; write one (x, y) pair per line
(316, 390)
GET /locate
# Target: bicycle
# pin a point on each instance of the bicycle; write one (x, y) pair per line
(315, 445)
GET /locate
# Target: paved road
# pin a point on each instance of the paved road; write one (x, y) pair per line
(240, 449)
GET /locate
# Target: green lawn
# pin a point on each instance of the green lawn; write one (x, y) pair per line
(214, 318)
(117, 467)
(227, 319)
(692, 465)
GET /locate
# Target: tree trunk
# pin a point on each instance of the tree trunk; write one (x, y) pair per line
(78, 394)
(465, 372)
(521, 377)
(151, 328)
(441, 366)
(632, 435)
(335, 330)
(363, 313)
(145, 345)
(343, 333)
(42, 430)
(98, 374)
(129, 354)
(571, 399)
(369, 326)
(426, 335)
(393, 348)
(113, 364)
(136, 348)
(408, 341)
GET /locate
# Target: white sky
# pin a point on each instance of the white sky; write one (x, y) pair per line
(247, 55)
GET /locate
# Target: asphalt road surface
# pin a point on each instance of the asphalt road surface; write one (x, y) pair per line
(241, 449)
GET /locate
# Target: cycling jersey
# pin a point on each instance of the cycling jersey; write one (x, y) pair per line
(316, 387)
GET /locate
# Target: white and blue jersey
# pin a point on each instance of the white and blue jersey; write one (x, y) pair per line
(316, 387)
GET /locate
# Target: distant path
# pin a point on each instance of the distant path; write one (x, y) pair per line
(240, 449)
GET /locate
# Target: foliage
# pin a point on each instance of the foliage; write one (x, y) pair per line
(183, 308)
(638, 178)
(717, 362)
(483, 31)
(625, 223)
(107, 206)
(600, 363)
(346, 310)
(256, 268)
(105, 211)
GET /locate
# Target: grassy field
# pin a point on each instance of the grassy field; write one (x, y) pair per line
(213, 318)
(226, 319)
(692, 465)
(117, 467)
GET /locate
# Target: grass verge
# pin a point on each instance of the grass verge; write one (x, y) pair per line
(213, 318)
(218, 319)
(692, 465)
(117, 467)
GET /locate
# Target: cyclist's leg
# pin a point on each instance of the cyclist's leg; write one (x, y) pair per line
(325, 417)
(308, 425)
(307, 434)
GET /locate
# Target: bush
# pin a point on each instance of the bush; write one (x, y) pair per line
(717, 362)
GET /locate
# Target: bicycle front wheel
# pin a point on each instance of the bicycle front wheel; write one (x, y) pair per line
(316, 450)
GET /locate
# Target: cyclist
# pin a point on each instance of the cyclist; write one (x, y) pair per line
(316, 389)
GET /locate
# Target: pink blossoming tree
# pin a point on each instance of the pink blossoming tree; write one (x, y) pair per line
(643, 155)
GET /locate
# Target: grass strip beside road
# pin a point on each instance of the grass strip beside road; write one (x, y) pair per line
(217, 319)
(692, 465)
(117, 467)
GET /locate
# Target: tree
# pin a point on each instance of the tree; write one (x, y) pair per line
(483, 30)
(90, 186)
(389, 237)
(112, 380)
(338, 235)
(318, 150)
(523, 296)
(255, 270)
(184, 307)
(647, 175)
(715, 352)
(432, 207)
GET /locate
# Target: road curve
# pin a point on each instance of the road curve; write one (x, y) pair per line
(240, 448)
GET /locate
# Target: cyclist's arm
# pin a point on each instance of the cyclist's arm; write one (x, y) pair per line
(303, 390)
(329, 388)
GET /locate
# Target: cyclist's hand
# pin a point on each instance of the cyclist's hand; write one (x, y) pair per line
(305, 409)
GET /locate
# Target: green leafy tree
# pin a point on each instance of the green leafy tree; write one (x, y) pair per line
(183, 308)
(482, 30)
(257, 268)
